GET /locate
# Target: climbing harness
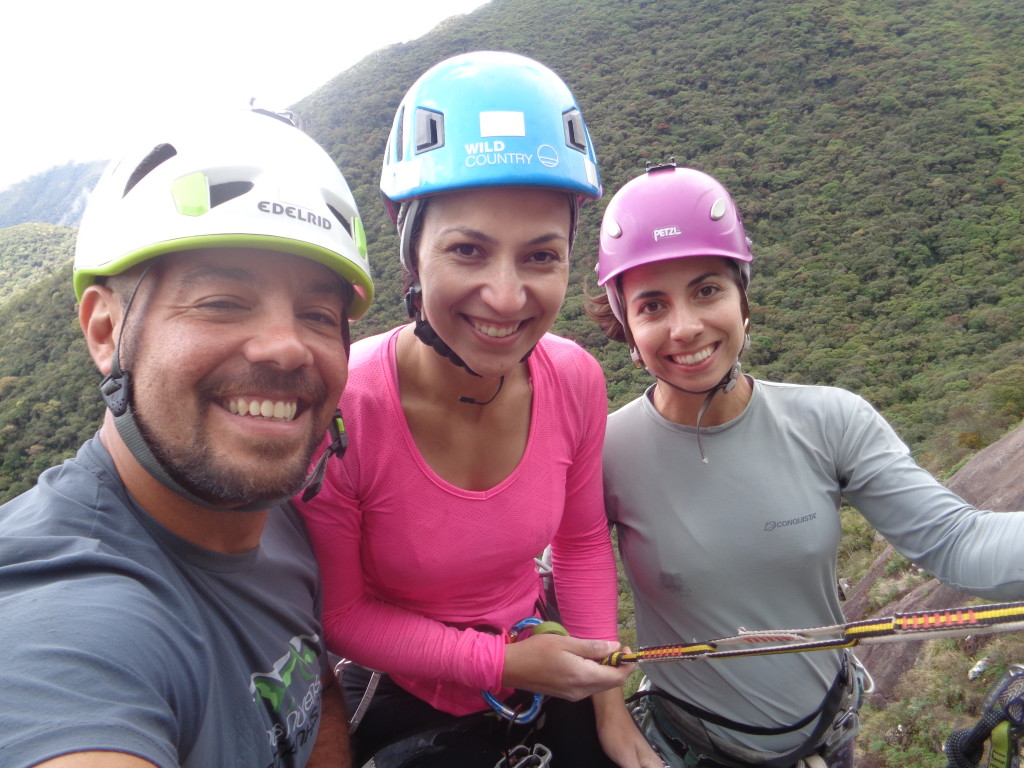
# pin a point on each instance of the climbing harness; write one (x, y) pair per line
(477, 740)
(677, 728)
(947, 622)
(1001, 724)
(535, 626)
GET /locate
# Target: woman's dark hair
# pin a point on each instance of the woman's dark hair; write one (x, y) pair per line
(600, 311)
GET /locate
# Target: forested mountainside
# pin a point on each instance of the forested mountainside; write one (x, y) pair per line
(875, 148)
(30, 251)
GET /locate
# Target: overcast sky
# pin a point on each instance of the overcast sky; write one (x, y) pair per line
(75, 75)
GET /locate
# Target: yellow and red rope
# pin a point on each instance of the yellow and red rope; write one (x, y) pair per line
(946, 622)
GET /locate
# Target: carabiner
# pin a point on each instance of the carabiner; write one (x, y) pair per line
(514, 715)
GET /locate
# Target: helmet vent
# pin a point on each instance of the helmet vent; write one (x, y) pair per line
(161, 153)
(429, 130)
(575, 135)
(400, 135)
(221, 193)
(344, 222)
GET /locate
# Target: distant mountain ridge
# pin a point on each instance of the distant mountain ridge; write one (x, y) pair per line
(55, 196)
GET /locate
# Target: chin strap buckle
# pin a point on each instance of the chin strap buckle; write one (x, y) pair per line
(337, 447)
(115, 389)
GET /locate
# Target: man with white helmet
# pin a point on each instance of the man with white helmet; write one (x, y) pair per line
(160, 601)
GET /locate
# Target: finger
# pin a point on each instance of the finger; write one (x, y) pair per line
(594, 649)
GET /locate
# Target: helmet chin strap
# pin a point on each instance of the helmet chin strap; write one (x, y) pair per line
(408, 217)
(728, 381)
(422, 329)
(115, 389)
(726, 385)
(426, 333)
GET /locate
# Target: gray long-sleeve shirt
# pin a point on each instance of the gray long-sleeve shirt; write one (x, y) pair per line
(750, 539)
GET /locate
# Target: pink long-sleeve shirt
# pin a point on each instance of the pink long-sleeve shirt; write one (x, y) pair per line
(422, 579)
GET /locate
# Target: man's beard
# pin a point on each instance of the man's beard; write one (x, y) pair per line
(192, 464)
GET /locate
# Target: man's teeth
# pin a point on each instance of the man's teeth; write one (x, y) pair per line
(697, 357)
(495, 333)
(267, 409)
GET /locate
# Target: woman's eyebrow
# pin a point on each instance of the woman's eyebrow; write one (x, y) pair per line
(475, 234)
(702, 278)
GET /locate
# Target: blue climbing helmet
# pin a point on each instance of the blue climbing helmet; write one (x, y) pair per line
(482, 119)
(487, 119)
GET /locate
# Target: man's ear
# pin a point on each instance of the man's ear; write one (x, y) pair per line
(99, 314)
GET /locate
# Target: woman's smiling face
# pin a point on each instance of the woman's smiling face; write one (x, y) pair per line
(687, 319)
(493, 264)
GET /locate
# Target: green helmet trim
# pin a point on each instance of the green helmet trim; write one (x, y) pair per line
(362, 297)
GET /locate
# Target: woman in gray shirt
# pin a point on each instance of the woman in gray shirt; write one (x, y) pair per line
(726, 490)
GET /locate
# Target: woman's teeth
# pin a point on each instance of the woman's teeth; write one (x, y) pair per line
(495, 332)
(695, 358)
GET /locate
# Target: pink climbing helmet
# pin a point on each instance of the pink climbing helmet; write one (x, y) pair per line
(668, 213)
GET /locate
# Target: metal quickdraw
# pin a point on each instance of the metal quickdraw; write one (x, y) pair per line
(536, 627)
(947, 622)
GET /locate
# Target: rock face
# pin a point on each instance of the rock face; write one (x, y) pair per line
(994, 479)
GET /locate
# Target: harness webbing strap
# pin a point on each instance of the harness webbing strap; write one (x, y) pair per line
(946, 622)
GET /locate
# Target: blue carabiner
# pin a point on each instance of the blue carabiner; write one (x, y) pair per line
(504, 710)
(514, 715)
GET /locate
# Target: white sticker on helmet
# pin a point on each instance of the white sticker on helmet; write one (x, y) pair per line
(502, 124)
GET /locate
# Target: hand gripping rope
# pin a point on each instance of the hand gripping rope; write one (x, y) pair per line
(919, 625)
(536, 627)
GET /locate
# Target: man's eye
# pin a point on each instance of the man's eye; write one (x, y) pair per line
(220, 304)
(322, 318)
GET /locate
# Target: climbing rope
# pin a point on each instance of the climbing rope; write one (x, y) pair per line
(947, 622)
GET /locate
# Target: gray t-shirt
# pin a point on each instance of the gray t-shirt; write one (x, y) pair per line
(119, 635)
(750, 539)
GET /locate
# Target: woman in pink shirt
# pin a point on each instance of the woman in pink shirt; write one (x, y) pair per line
(476, 440)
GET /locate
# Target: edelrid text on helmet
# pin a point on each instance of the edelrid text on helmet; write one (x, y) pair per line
(243, 179)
